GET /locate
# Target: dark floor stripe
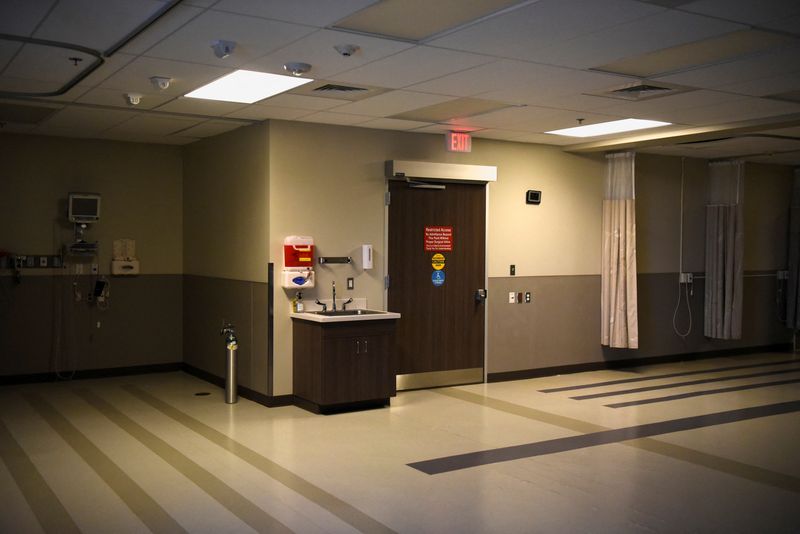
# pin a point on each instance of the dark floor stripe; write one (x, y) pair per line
(49, 511)
(528, 450)
(140, 503)
(344, 511)
(235, 502)
(681, 384)
(703, 393)
(670, 375)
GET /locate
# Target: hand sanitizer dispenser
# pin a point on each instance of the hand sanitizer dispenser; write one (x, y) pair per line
(366, 261)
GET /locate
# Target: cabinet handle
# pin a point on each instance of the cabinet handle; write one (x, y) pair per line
(358, 347)
(366, 347)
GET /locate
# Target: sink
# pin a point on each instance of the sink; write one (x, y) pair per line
(345, 313)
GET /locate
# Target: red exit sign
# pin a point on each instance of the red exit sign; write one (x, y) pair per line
(458, 142)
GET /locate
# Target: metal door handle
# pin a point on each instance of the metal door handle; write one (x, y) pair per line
(481, 295)
(366, 346)
(358, 347)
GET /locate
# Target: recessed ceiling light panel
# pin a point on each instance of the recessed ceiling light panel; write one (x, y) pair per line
(247, 86)
(605, 128)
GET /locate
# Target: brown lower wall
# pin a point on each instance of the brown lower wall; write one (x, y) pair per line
(561, 326)
(44, 330)
(207, 302)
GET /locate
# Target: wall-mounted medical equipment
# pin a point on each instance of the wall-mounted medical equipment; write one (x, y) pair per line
(123, 258)
(298, 262)
(83, 209)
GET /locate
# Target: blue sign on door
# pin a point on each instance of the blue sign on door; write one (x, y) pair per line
(437, 277)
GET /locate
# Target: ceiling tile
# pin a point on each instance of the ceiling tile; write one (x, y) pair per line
(47, 63)
(116, 98)
(635, 38)
(254, 37)
(88, 119)
(521, 32)
(110, 65)
(661, 107)
(443, 128)
(393, 124)
(312, 12)
(200, 106)
(166, 24)
(748, 68)
(412, 66)
(771, 85)
(756, 13)
(30, 87)
(20, 17)
(185, 76)
(97, 25)
(113, 135)
(329, 117)
(210, 128)
(317, 50)
(259, 113)
(153, 124)
(734, 110)
(391, 103)
(492, 133)
(303, 102)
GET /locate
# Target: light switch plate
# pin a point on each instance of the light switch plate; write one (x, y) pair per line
(512, 297)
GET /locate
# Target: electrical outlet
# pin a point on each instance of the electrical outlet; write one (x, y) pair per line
(30, 261)
(42, 261)
(95, 268)
(686, 278)
(527, 297)
(512, 297)
(78, 268)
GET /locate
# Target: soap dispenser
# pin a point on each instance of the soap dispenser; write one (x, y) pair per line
(297, 303)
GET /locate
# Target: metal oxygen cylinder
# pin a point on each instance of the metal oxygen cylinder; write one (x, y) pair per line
(232, 345)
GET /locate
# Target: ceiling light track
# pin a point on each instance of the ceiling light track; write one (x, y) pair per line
(99, 57)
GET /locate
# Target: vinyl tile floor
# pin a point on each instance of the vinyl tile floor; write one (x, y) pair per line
(703, 446)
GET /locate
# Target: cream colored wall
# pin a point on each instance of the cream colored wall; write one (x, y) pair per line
(226, 205)
(141, 188)
(560, 236)
(328, 182)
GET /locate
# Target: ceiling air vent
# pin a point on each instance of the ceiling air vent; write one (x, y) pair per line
(643, 90)
(329, 87)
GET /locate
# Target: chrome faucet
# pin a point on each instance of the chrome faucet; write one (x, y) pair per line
(333, 286)
(346, 302)
(324, 306)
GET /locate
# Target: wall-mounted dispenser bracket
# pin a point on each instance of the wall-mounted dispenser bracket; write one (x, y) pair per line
(335, 259)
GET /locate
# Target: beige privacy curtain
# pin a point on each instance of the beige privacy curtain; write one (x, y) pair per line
(619, 321)
(724, 250)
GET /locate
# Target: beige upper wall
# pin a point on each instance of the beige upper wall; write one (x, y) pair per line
(226, 205)
(140, 184)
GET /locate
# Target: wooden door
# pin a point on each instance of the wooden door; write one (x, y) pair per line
(442, 324)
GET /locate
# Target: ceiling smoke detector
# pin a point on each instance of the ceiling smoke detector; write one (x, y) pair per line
(133, 99)
(223, 49)
(160, 82)
(347, 50)
(297, 69)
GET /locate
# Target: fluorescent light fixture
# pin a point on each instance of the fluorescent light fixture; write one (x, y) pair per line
(247, 86)
(603, 128)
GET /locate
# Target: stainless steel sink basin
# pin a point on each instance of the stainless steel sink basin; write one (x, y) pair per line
(345, 313)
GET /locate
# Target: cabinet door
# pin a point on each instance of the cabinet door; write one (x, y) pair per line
(356, 369)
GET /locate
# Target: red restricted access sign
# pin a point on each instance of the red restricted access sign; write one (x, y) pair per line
(438, 239)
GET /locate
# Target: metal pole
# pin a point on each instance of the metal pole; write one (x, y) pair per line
(231, 396)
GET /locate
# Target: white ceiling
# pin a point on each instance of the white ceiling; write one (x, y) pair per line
(542, 59)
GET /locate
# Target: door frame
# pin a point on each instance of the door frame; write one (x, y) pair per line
(456, 378)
